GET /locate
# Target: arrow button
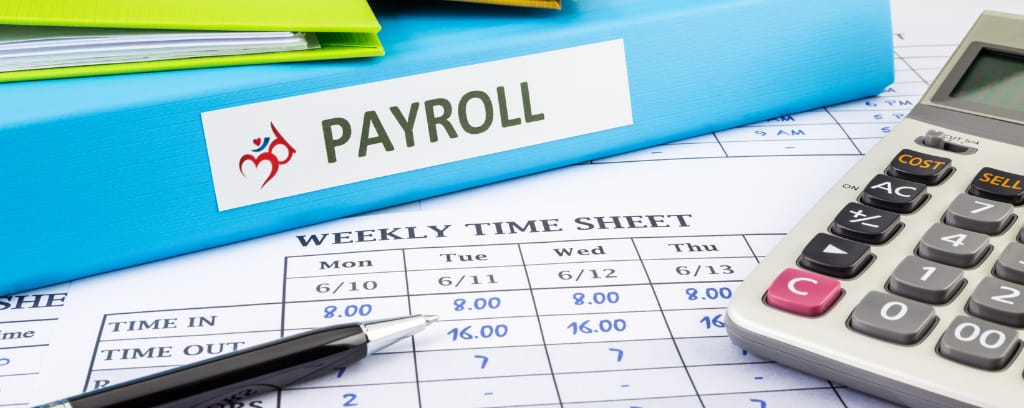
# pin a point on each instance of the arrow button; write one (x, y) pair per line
(835, 256)
(832, 249)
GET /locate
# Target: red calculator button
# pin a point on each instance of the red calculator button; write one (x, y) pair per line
(804, 293)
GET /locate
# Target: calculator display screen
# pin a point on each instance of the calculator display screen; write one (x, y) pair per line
(995, 80)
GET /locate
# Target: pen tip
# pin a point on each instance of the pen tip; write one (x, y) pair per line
(431, 318)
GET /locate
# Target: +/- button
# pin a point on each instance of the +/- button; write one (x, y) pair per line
(866, 224)
(998, 185)
(919, 167)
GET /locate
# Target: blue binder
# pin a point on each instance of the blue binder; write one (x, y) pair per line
(107, 172)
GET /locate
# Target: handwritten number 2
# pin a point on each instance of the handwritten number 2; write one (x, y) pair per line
(350, 400)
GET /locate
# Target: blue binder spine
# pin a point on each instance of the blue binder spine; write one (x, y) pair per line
(108, 172)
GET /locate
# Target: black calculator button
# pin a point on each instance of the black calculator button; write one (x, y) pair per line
(1010, 264)
(998, 185)
(919, 167)
(953, 246)
(978, 343)
(926, 281)
(893, 194)
(866, 224)
(892, 318)
(835, 256)
(979, 214)
(998, 301)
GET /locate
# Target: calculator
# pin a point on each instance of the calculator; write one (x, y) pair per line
(906, 281)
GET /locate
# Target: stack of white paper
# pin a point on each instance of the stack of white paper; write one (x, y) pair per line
(27, 47)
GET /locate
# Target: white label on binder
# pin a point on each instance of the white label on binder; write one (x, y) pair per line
(289, 146)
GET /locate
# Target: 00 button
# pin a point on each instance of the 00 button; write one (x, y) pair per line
(978, 343)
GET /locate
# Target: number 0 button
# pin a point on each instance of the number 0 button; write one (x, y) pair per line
(978, 343)
(892, 318)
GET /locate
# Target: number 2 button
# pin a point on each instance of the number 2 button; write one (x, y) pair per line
(998, 301)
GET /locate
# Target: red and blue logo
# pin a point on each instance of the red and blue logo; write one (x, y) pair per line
(276, 151)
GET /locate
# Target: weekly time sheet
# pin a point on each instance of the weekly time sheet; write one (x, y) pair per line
(540, 309)
(598, 285)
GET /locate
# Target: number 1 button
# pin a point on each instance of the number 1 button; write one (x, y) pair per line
(801, 292)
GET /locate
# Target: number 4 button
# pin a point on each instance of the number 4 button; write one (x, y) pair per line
(953, 246)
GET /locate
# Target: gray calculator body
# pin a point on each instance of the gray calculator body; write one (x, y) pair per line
(924, 307)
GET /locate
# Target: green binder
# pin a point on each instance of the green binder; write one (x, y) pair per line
(343, 28)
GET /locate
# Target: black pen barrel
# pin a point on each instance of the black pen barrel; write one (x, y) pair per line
(238, 375)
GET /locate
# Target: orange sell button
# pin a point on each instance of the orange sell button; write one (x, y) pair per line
(919, 167)
(998, 185)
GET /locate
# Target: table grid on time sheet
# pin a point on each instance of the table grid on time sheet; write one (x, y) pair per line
(576, 323)
(847, 129)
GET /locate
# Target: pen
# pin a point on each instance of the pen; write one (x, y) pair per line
(248, 372)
